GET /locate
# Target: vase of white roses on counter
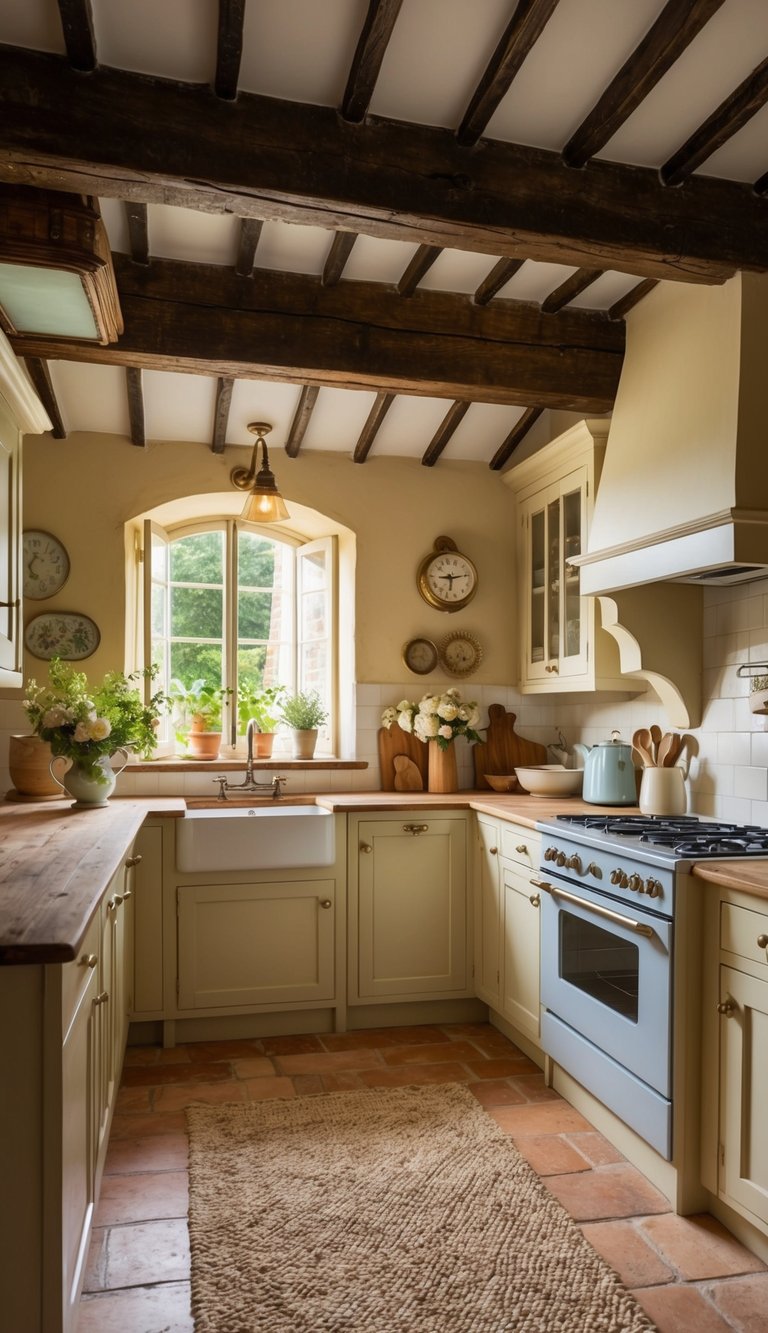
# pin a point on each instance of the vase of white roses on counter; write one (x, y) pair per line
(88, 724)
(436, 720)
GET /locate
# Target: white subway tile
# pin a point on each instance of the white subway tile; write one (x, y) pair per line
(734, 747)
(736, 809)
(751, 782)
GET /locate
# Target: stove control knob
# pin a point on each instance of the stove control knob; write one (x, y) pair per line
(560, 859)
(654, 888)
(619, 877)
(636, 883)
(574, 863)
(594, 869)
(549, 853)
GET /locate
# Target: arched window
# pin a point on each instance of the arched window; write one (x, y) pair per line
(241, 607)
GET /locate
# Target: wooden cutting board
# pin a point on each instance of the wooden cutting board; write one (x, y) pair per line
(503, 750)
(399, 742)
(407, 774)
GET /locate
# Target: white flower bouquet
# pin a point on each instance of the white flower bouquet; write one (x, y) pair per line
(438, 717)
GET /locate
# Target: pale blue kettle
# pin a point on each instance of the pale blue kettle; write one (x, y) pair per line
(609, 773)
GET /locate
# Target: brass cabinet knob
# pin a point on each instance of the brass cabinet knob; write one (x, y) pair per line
(493, 851)
(535, 899)
(102, 997)
(88, 960)
(553, 667)
(727, 1007)
(522, 850)
(133, 860)
(366, 847)
(325, 902)
(762, 941)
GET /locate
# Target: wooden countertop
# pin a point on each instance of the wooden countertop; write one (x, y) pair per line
(749, 874)
(55, 863)
(525, 810)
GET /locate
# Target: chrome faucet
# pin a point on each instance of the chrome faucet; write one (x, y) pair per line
(248, 784)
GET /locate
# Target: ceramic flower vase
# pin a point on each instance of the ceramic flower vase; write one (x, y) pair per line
(442, 775)
(89, 792)
(304, 743)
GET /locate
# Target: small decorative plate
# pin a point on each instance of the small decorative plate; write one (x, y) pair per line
(64, 634)
(46, 564)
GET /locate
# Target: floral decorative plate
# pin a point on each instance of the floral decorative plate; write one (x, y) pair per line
(64, 634)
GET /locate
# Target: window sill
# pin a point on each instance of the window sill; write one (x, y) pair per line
(173, 764)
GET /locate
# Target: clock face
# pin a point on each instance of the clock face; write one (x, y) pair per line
(461, 654)
(420, 656)
(448, 580)
(46, 564)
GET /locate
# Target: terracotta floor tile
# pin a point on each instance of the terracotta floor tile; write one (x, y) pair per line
(743, 1301)
(680, 1309)
(700, 1247)
(290, 1045)
(145, 1252)
(401, 1076)
(546, 1118)
(162, 1309)
(327, 1062)
(357, 1041)
(408, 1036)
(345, 1081)
(496, 1092)
(596, 1148)
(256, 1066)
(625, 1248)
(192, 1072)
(142, 1197)
(494, 1044)
(308, 1085)
(433, 1053)
(259, 1089)
(153, 1122)
(158, 1152)
(155, 1055)
(240, 1049)
(608, 1191)
(533, 1087)
(176, 1097)
(133, 1099)
(496, 1066)
(551, 1155)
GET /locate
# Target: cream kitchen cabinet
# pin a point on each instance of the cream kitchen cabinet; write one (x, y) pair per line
(507, 923)
(736, 1071)
(488, 912)
(562, 646)
(408, 907)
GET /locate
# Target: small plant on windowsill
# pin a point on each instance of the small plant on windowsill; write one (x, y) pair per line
(758, 694)
(261, 706)
(198, 709)
(304, 712)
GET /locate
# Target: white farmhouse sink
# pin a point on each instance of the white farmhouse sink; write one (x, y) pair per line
(262, 838)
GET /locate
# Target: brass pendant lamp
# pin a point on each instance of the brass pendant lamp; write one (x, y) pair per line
(265, 504)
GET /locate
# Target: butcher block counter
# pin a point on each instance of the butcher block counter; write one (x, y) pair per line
(55, 863)
(749, 875)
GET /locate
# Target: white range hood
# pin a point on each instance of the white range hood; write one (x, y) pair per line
(683, 494)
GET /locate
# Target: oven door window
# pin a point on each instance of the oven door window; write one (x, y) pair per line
(600, 963)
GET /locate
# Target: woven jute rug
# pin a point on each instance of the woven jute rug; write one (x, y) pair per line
(384, 1211)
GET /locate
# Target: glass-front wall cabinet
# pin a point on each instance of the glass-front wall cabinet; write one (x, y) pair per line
(554, 522)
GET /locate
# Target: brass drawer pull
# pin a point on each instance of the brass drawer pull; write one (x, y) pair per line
(522, 850)
(366, 847)
(133, 860)
(415, 829)
(762, 941)
(88, 960)
(325, 902)
(102, 997)
(727, 1007)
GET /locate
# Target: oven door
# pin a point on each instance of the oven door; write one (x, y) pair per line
(606, 973)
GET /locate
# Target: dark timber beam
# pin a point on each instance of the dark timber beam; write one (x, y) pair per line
(301, 419)
(515, 437)
(229, 48)
(455, 414)
(250, 231)
(224, 389)
(341, 248)
(135, 405)
(498, 277)
(287, 327)
(421, 263)
(41, 378)
(522, 32)
(666, 39)
(366, 63)
(370, 430)
(138, 231)
(77, 28)
(718, 128)
(619, 308)
(259, 157)
(570, 289)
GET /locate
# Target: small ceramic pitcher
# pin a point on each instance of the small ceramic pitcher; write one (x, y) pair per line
(662, 791)
(89, 792)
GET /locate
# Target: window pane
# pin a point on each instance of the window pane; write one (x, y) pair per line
(254, 615)
(198, 558)
(191, 661)
(256, 561)
(159, 627)
(313, 571)
(196, 613)
(314, 669)
(250, 667)
(314, 624)
(159, 559)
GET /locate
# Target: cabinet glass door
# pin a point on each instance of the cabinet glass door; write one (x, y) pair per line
(538, 578)
(571, 513)
(554, 600)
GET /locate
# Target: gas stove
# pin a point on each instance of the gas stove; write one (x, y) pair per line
(676, 840)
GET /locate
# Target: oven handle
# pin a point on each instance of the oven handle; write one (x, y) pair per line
(639, 927)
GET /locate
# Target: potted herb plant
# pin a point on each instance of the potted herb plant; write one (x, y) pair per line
(304, 712)
(198, 714)
(261, 706)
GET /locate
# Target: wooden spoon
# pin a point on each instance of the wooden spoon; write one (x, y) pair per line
(656, 741)
(669, 749)
(641, 741)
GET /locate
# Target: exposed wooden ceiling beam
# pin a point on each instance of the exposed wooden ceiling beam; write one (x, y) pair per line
(571, 288)
(77, 28)
(341, 248)
(287, 327)
(370, 430)
(301, 419)
(406, 182)
(523, 30)
(135, 405)
(515, 437)
(138, 231)
(729, 117)
(229, 48)
(420, 264)
(666, 39)
(224, 387)
(41, 378)
(366, 63)
(619, 308)
(450, 422)
(498, 277)
(250, 231)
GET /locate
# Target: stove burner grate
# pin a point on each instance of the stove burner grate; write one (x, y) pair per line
(683, 835)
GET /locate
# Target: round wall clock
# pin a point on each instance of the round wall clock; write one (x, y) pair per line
(460, 653)
(46, 564)
(446, 579)
(420, 656)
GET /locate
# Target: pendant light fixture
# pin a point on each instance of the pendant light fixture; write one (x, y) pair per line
(265, 504)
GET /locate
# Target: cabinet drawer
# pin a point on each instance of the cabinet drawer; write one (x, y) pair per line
(75, 975)
(520, 845)
(740, 931)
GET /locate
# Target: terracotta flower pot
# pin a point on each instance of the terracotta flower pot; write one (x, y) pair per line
(204, 744)
(262, 744)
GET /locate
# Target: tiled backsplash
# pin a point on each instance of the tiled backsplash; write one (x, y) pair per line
(728, 774)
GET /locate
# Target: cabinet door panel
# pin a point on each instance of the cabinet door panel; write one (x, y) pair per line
(744, 1093)
(253, 944)
(521, 953)
(488, 915)
(79, 1131)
